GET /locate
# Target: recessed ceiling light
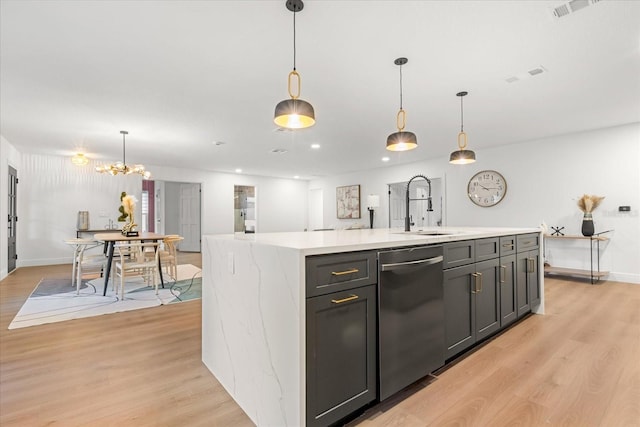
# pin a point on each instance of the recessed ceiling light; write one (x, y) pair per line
(238, 170)
(296, 177)
(315, 146)
(385, 159)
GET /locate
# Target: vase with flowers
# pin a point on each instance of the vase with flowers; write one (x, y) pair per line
(127, 207)
(587, 204)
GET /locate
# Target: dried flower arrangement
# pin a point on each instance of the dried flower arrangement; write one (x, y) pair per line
(588, 203)
(127, 206)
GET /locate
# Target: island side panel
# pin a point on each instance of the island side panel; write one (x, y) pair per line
(253, 327)
(539, 309)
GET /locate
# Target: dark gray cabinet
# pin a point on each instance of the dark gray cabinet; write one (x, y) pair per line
(527, 266)
(508, 298)
(341, 335)
(459, 309)
(487, 295)
(528, 285)
(341, 354)
(471, 294)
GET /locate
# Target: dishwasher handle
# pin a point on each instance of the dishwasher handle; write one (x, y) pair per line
(409, 264)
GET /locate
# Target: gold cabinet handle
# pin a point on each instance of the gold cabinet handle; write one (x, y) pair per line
(349, 298)
(503, 273)
(474, 289)
(340, 273)
(526, 242)
(531, 265)
(480, 277)
(507, 245)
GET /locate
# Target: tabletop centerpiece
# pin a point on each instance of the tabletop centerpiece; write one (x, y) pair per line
(587, 204)
(127, 207)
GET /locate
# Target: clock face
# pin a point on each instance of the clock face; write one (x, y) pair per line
(487, 188)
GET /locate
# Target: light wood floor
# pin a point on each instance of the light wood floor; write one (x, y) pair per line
(579, 365)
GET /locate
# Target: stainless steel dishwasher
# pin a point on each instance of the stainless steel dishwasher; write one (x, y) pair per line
(411, 316)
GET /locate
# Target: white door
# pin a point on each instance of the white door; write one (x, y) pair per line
(190, 217)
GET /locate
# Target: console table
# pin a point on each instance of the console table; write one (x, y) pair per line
(79, 233)
(593, 273)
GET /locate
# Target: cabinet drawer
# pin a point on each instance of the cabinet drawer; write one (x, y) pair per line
(528, 241)
(487, 249)
(458, 253)
(336, 272)
(507, 245)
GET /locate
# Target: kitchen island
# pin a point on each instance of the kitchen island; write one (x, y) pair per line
(255, 297)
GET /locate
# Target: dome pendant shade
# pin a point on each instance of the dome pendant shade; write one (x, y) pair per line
(462, 157)
(402, 141)
(294, 114)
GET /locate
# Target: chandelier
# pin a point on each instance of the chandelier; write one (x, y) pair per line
(122, 167)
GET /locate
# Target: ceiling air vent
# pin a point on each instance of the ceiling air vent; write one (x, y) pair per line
(279, 150)
(527, 74)
(571, 7)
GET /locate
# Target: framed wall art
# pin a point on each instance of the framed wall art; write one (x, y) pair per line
(348, 202)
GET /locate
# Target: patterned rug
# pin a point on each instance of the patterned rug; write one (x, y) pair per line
(55, 300)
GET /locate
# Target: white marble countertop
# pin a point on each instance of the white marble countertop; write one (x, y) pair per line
(334, 241)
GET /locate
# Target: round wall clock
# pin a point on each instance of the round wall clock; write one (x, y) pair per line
(487, 188)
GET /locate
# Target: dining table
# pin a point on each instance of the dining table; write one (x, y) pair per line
(110, 240)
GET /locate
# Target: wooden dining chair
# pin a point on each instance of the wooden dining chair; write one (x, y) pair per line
(132, 260)
(84, 261)
(169, 255)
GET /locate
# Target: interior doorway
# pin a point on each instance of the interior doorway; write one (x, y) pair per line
(12, 211)
(419, 215)
(244, 209)
(177, 209)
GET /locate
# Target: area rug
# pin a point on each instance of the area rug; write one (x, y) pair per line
(55, 300)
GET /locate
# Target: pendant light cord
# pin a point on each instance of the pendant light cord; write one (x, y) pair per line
(124, 158)
(461, 116)
(401, 87)
(294, 40)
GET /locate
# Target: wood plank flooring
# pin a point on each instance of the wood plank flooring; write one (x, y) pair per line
(579, 365)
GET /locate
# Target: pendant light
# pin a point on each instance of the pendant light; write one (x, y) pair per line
(462, 156)
(121, 167)
(401, 140)
(80, 159)
(294, 113)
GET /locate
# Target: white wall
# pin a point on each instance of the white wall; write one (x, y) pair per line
(545, 178)
(52, 190)
(172, 208)
(281, 203)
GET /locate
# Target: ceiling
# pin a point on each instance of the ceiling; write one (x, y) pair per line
(183, 76)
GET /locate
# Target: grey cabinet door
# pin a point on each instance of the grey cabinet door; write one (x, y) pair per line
(487, 296)
(523, 297)
(459, 309)
(341, 354)
(508, 303)
(532, 277)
